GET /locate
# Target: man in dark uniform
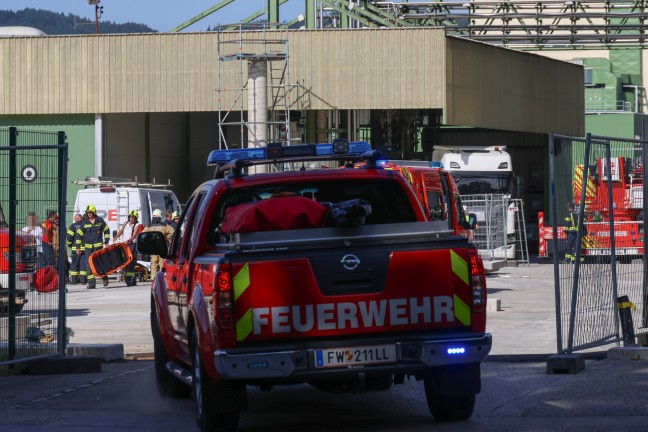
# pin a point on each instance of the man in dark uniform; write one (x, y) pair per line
(96, 235)
(74, 242)
(571, 227)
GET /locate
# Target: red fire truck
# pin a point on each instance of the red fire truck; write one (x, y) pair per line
(627, 203)
(625, 184)
(332, 277)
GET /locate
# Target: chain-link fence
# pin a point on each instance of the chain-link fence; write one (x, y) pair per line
(33, 167)
(597, 210)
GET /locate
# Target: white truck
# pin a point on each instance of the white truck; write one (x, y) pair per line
(484, 176)
(115, 197)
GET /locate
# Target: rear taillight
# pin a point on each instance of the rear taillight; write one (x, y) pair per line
(224, 307)
(477, 282)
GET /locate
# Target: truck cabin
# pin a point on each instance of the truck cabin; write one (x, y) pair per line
(478, 170)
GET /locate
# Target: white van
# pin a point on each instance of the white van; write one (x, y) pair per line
(115, 197)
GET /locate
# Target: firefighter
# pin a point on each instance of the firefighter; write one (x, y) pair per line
(130, 230)
(78, 272)
(158, 225)
(571, 227)
(96, 234)
(175, 218)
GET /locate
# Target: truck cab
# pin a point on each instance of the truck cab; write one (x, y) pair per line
(438, 194)
(485, 174)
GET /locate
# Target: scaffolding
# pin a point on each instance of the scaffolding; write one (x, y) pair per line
(261, 49)
(523, 24)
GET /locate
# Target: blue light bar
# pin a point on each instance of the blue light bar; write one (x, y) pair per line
(456, 351)
(286, 152)
(436, 165)
(224, 156)
(355, 148)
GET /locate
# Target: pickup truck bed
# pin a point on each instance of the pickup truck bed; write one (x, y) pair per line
(359, 301)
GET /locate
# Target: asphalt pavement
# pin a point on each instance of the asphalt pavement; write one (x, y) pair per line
(517, 392)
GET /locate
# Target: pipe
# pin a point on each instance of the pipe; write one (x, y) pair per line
(257, 104)
(98, 145)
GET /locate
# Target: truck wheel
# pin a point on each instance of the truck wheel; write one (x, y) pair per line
(167, 385)
(205, 396)
(448, 407)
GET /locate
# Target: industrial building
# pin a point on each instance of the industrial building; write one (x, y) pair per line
(147, 105)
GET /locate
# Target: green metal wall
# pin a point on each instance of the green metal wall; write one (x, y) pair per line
(627, 64)
(621, 125)
(79, 130)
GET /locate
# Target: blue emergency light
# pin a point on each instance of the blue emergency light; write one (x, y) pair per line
(224, 156)
(456, 351)
(277, 151)
(434, 164)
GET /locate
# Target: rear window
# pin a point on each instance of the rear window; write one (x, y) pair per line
(389, 203)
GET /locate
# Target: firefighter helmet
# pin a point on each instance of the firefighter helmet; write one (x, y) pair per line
(133, 213)
(175, 215)
(157, 213)
(91, 208)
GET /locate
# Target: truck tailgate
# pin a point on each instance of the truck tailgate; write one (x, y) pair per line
(367, 289)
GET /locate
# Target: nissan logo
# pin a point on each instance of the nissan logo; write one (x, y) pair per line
(350, 262)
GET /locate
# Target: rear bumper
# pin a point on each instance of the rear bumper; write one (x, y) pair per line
(299, 364)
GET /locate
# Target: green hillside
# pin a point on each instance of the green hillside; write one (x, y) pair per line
(53, 23)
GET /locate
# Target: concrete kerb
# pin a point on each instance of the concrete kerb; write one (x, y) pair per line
(105, 352)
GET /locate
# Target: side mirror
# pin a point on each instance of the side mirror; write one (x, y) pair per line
(471, 223)
(114, 233)
(517, 187)
(152, 243)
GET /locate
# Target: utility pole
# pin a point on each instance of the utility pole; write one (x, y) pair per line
(98, 12)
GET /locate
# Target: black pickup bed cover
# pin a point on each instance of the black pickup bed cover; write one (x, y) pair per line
(318, 238)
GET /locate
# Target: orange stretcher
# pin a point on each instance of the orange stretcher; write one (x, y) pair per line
(110, 259)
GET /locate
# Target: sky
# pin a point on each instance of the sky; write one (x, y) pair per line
(161, 15)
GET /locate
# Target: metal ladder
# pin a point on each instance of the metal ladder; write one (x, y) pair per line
(521, 244)
(122, 207)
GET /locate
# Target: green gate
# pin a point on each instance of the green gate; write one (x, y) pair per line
(33, 177)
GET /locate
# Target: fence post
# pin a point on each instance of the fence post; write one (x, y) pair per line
(625, 316)
(553, 151)
(644, 221)
(11, 307)
(61, 334)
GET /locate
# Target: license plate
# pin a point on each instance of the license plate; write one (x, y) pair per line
(355, 356)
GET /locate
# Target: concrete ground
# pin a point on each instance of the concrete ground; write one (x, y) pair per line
(526, 323)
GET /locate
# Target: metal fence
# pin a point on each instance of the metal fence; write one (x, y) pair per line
(33, 168)
(599, 267)
(501, 231)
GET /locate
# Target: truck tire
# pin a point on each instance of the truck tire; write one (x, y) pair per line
(167, 385)
(448, 407)
(205, 397)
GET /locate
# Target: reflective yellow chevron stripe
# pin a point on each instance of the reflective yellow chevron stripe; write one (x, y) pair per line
(241, 283)
(590, 188)
(244, 326)
(460, 268)
(461, 311)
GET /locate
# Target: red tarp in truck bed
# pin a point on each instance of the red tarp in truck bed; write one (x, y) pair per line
(280, 213)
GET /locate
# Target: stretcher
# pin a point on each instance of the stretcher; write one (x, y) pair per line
(110, 259)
